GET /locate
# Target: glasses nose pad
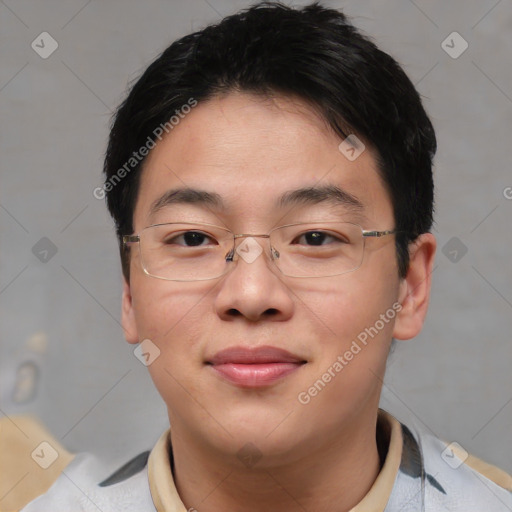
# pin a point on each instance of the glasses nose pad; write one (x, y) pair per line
(229, 257)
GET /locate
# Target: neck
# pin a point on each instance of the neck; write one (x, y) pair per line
(332, 477)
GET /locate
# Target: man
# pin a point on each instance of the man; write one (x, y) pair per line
(270, 180)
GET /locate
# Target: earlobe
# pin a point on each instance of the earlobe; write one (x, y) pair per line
(414, 291)
(128, 315)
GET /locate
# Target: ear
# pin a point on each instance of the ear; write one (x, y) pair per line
(414, 288)
(128, 315)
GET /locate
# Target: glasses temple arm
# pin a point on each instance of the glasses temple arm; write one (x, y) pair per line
(379, 233)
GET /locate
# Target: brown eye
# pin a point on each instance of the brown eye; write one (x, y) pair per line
(318, 238)
(188, 239)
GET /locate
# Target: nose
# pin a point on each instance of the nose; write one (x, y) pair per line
(254, 288)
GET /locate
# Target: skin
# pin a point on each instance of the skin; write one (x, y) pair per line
(319, 456)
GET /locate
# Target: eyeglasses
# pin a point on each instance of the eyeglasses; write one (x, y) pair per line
(186, 251)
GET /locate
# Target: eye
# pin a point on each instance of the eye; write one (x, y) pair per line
(317, 238)
(188, 239)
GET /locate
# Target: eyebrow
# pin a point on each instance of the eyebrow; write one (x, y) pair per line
(330, 194)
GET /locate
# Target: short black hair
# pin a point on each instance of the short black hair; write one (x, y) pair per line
(312, 53)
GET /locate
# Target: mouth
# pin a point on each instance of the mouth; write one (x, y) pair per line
(253, 368)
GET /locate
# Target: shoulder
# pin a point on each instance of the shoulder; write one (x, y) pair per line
(86, 486)
(456, 480)
(38, 474)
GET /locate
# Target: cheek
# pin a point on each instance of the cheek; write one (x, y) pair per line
(172, 317)
(349, 306)
(353, 344)
(165, 308)
(353, 318)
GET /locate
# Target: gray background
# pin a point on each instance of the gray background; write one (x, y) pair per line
(63, 314)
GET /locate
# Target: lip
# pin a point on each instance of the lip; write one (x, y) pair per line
(255, 367)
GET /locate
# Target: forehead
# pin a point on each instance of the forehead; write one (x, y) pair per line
(250, 157)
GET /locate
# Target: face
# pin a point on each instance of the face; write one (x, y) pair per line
(250, 151)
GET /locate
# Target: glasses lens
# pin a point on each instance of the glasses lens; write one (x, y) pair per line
(195, 252)
(318, 249)
(185, 251)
